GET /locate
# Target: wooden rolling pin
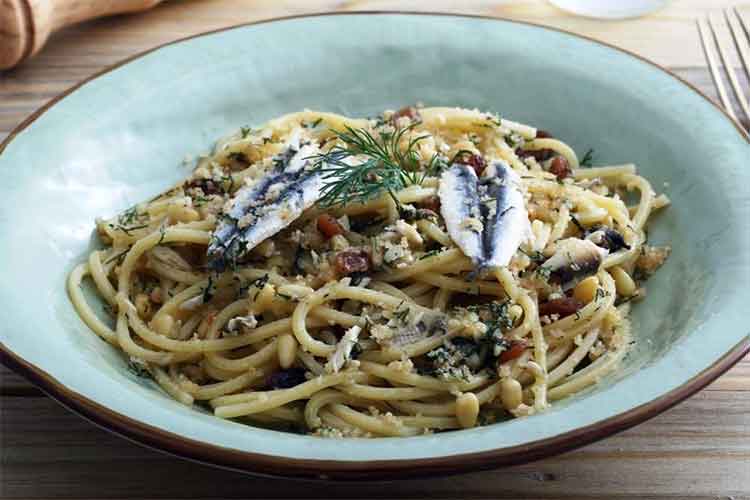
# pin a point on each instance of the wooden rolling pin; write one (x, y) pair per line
(25, 25)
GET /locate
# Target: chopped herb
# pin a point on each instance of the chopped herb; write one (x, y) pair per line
(588, 158)
(431, 253)
(543, 272)
(162, 232)
(129, 216)
(494, 315)
(259, 284)
(199, 201)
(600, 294)
(492, 121)
(245, 131)
(224, 180)
(127, 230)
(513, 140)
(535, 256)
(312, 124)
(208, 292)
(402, 314)
(138, 368)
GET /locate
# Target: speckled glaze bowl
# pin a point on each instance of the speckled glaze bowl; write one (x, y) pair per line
(122, 136)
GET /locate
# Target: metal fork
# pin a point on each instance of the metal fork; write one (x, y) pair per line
(735, 20)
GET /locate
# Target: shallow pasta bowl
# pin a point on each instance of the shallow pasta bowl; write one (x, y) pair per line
(121, 137)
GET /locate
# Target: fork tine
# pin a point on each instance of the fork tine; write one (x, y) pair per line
(744, 56)
(714, 70)
(741, 17)
(729, 68)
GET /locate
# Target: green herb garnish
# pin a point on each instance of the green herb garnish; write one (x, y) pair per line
(139, 369)
(259, 284)
(208, 292)
(386, 167)
(431, 253)
(312, 124)
(588, 158)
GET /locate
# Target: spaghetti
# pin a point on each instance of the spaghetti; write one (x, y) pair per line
(352, 297)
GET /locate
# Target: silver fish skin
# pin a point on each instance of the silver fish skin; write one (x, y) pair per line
(260, 210)
(459, 206)
(485, 217)
(503, 208)
(573, 261)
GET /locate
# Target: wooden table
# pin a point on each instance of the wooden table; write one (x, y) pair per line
(700, 449)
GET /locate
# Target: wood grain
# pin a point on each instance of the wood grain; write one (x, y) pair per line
(698, 450)
(692, 451)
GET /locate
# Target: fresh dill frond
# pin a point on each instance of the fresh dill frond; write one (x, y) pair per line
(364, 166)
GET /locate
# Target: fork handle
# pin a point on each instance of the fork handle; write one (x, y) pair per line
(25, 25)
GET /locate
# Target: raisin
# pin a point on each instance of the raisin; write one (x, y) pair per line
(560, 167)
(284, 379)
(538, 154)
(431, 203)
(563, 307)
(352, 260)
(474, 161)
(407, 111)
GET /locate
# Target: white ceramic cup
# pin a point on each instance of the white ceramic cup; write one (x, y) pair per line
(609, 9)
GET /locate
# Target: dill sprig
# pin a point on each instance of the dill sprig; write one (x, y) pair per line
(386, 166)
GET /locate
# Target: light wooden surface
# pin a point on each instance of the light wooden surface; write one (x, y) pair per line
(700, 449)
(25, 25)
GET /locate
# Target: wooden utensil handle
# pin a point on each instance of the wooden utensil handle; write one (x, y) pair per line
(25, 25)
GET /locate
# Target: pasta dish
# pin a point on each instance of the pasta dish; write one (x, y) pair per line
(424, 270)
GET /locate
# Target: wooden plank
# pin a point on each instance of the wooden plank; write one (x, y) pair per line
(695, 450)
(663, 35)
(700, 449)
(12, 384)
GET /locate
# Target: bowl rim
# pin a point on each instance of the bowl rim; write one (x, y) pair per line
(258, 463)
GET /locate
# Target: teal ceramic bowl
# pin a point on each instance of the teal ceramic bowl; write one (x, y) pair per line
(122, 137)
